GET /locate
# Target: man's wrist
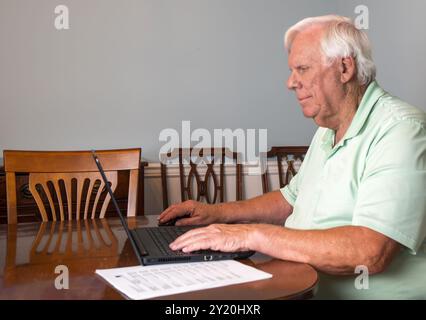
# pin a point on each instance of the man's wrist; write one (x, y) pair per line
(255, 236)
(215, 212)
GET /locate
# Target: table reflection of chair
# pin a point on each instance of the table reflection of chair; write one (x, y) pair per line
(59, 242)
(54, 241)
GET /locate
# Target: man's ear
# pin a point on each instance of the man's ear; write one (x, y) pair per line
(347, 69)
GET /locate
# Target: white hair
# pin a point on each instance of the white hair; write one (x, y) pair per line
(341, 39)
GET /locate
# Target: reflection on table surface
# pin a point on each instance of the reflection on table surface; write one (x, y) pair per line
(30, 252)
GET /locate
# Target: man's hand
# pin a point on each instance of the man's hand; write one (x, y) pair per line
(270, 208)
(218, 237)
(190, 213)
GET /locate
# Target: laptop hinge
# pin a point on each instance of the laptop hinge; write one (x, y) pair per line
(141, 247)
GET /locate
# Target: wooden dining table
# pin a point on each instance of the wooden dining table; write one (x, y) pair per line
(35, 256)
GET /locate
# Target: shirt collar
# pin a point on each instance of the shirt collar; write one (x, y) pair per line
(373, 93)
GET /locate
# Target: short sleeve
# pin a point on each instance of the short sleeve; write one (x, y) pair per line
(392, 192)
(290, 191)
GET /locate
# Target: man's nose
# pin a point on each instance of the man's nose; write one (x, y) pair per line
(292, 82)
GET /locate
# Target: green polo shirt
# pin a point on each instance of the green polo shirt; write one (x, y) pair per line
(374, 177)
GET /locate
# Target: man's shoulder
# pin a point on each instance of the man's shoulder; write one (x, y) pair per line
(397, 131)
(391, 111)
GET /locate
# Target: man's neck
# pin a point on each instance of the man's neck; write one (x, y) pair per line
(348, 109)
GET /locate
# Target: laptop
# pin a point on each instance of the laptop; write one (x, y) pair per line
(151, 244)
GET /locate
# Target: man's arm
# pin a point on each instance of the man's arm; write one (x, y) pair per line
(270, 208)
(336, 251)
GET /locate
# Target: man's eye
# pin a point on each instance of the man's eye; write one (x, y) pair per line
(303, 69)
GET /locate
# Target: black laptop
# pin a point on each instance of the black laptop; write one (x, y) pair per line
(151, 244)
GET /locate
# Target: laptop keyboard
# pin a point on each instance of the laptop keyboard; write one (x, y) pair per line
(163, 236)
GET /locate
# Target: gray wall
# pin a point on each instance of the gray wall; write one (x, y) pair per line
(128, 69)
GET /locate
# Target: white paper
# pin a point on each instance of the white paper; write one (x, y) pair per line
(144, 282)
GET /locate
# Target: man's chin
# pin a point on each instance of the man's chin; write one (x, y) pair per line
(314, 116)
(308, 113)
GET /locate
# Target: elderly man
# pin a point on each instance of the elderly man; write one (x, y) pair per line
(359, 198)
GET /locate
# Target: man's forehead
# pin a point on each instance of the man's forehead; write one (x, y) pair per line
(305, 46)
(312, 33)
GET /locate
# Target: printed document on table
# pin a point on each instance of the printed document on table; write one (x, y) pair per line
(144, 282)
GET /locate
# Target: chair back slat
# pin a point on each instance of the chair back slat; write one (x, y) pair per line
(39, 186)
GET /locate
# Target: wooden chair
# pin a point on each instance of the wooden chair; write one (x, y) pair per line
(67, 180)
(214, 157)
(290, 155)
